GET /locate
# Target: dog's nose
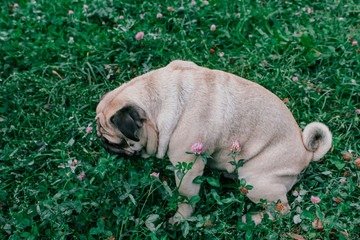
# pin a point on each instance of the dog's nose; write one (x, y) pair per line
(115, 149)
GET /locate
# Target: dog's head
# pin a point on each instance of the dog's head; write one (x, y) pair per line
(124, 129)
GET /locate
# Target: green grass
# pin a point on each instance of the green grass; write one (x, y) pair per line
(50, 86)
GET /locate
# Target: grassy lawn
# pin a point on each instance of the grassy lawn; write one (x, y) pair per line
(57, 58)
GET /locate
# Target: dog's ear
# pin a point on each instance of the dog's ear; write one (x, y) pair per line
(128, 120)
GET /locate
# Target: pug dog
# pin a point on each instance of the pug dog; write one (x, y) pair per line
(169, 109)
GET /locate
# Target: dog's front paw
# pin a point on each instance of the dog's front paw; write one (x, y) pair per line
(173, 222)
(160, 155)
(257, 218)
(145, 155)
(176, 219)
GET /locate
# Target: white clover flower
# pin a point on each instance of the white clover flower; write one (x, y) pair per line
(299, 199)
(71, 40)
(72, 164)
(297, 219)
(302, 192)
(299, 210)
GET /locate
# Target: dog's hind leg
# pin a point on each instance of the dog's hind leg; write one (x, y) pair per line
(271, 191)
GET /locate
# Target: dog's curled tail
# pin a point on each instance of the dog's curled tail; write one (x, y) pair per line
(317, 138)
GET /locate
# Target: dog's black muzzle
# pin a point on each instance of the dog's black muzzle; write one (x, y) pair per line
(117, 149)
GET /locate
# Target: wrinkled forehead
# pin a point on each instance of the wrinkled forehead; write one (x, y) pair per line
(101, 107)
(104, 129)
(109, 104)
(104, 106)
(104, 95)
